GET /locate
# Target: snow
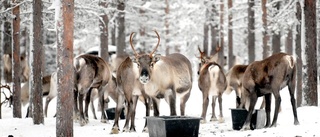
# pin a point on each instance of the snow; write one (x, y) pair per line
(308, 116)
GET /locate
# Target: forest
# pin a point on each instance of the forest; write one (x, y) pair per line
(39, 37)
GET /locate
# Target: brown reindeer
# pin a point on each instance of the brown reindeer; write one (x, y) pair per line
(234, 80)
(267, 77)
(90, 72)
(160, 77)
(211, 82)
(129, 89)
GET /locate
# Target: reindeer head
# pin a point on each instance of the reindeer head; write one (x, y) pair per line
(145, 62)
(204, 58)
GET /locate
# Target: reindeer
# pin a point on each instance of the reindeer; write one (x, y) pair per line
(159, 76)
(129, 89)
(234, 81)
(8, 68)
(211, 82)
(90, 72)
(45, 92)
(268, 77)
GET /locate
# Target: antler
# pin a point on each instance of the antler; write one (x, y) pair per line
(202, 54)
(6, 97)
(154, 50)
(135, 53)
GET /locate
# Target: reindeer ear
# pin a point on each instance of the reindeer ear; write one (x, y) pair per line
(133, 59)
(156, 57)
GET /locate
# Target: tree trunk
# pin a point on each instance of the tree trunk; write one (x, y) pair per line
(220, 53)
(251, 34)
(166, 24)
(298, 53)
(276, 43)
(37, 61)
(230, 38)
(16, 61)
(121, 41)
(205, 37)
(214, 30)
(104, 34)
(142, 29)
(65, 71)
(265, 39)
(7, 40)
(310, 90)
(288, 44)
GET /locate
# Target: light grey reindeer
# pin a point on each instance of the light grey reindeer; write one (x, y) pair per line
(267, 77)
(160, 77)
(90, 72)
(212, 83)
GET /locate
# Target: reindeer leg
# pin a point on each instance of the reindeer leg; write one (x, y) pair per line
(213, 105)
(82, 119)
(277, 97)
(128, 116)
(93, 108)
(120, 102)
(183, 101)
(86, 105)
(75, 107)
(291, 87)
(171, 100)
(204, 107)
(155, 102)
(48, 99)
(148, 107)
(267, 99)
(101, 100)
(133, 113)
(253, 100)
(221, 119)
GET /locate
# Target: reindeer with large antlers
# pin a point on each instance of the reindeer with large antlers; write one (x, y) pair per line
(161, 77)
(211, 82)
(267, 77)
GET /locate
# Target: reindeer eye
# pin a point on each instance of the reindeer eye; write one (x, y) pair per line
(151, 64)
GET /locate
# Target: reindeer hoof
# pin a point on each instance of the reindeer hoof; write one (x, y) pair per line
(125, 130)
(104, 121)
(245, 127)
(82, 123)
(221, 120)
(115, 130)
(132, 130)
(202, 121)
(145, 130)
(214, 119)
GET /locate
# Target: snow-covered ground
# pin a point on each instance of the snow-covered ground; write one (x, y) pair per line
(309, 118)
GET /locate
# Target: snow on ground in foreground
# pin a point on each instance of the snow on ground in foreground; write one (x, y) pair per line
(309, 118)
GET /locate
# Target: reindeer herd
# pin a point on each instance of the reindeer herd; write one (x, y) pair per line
(149, 77)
